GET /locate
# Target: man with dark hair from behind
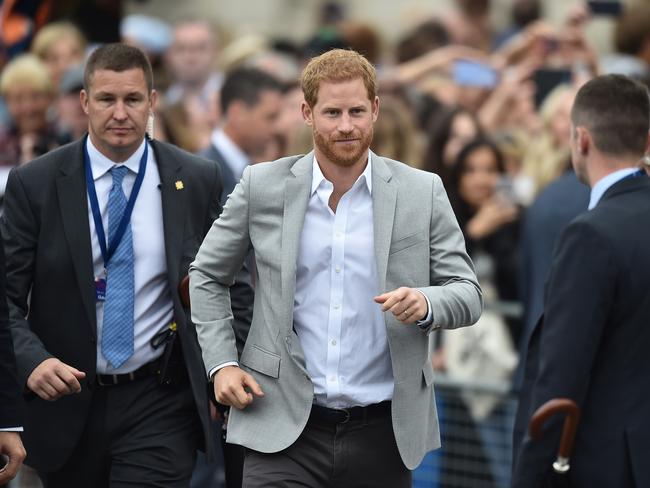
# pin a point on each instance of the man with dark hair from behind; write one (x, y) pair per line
(98, 236)
(592, 343)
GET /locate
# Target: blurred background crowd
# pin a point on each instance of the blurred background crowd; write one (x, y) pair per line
(477, 91)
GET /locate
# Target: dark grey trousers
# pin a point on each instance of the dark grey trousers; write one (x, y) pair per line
(140, 434)
(356, 454)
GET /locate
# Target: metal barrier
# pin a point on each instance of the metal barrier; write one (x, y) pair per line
(475, 453)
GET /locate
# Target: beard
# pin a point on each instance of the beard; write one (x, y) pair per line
(344, 155)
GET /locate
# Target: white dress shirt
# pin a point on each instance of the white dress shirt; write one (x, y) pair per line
(603, 184)
(341, 329)
(236, 159)
(153, 306)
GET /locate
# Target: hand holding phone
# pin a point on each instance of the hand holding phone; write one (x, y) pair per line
(467, 72)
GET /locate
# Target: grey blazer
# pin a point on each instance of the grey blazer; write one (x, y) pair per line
(417, 244)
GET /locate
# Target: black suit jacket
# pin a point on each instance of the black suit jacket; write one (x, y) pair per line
(50, 280)
(593, 346)
(559, 203)
(228, 178)
(10, 401)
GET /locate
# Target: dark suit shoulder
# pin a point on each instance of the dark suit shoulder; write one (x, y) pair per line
(61, 158)
(620, 211)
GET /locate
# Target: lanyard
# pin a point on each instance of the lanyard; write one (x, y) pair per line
(94, 205)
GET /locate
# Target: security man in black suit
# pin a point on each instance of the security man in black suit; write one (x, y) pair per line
(593, 343)
(98, 234)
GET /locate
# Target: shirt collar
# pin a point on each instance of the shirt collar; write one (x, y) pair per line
(235, 158)
(606, 182)
(101, 165)
(318, 178)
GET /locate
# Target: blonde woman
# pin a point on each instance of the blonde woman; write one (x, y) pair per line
(60, 45)
(26, 87)
(548, 155)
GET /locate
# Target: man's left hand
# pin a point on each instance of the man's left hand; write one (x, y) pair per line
(408, 305)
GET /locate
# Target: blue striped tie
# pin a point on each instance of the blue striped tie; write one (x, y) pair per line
(117, 329)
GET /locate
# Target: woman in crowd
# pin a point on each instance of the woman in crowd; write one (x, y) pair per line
(449, 130)
(548, 155)
(482, 199)
(60, 45)
(27, 90)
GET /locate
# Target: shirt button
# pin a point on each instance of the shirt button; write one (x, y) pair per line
(337, 306)
(332, 379)
(338, 234)
(337, 269)
(333, 342)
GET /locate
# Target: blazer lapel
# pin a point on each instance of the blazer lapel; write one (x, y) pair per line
(296, 198)
(384, 196)
(174, 204)
(73, 203)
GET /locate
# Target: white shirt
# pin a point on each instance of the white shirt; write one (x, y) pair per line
(153, 306)
(236, 159)
(606, 182)
(341, 329)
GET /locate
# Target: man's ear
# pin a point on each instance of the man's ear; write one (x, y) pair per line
(236, 112)
(583, 140)
(83, 99)
(307, 113)
(153, 98)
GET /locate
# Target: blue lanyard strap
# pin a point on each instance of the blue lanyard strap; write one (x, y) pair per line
(94, 204)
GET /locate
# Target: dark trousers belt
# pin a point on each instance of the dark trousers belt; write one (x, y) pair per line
(343, 415)
(144, 371)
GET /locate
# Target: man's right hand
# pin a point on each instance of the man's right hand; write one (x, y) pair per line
(53, 379)
(235, 387)
(12, 447)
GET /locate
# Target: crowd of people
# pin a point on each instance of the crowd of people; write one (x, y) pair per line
(488, 112)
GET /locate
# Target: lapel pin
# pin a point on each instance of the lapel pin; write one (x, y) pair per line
(179, 185)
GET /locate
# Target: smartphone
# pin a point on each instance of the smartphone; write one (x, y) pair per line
(610, 8)
(546, 80)
(505, 190)
(474, 73)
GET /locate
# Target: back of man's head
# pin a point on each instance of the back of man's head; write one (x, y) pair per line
(616, 111)
(246, 85)
(117, 57)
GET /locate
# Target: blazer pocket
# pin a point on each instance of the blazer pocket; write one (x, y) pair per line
(427, 372)
(407, 241)
(262, 361)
